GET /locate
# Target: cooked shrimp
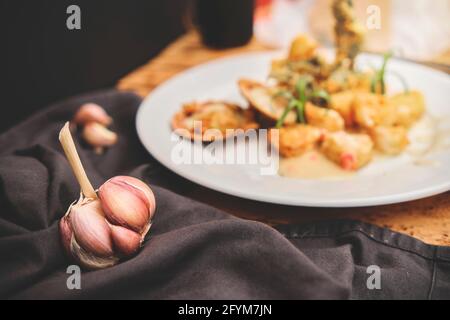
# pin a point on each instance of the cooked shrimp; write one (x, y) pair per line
(409, 107)
(295, 140)
(303, 48)
(371, 110)
(350, 151)
(342, 102)
(343, 79)
(324, 118)
(390, 140)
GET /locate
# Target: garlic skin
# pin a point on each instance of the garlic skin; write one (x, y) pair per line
(85, 235)
(91, 112)
(127, 201)
(91, 230)
(97, 239)
(98, 135)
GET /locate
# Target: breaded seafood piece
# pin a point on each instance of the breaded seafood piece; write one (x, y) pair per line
(350, 151)
(303, 47)
(409, 107)
(344, 79)
(324, 118)
(216, 115)
(342, 102)
(371, 110)
(390, 140)
(295, 140)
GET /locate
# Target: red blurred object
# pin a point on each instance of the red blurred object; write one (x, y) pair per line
(263, 9)
(263, 2)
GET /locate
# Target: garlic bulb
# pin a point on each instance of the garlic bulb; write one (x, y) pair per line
(100, 231)
(91, 112)
(99, 136)
(94, 240)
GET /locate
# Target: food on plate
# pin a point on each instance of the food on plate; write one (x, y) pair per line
(409, 107)
(342, 102)
(332, 108)
(303, 59)
(196, 119)
(295, 140)
(348, 150)
(303, 48)
(343, 78)
(390, 140)
(266, 100)
(324, 118)
(371, 110)
(349, 33)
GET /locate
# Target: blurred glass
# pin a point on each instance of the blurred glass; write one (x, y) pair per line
(416, 29)
(224, 23)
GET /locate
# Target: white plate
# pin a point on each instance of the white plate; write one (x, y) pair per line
(388, 181)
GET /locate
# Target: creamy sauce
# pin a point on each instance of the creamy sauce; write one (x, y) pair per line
(427, 136)
(312, 165)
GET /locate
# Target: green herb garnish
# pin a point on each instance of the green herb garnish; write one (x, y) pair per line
(298, 102)
(288, 109)
(379, 76)
(301, 87)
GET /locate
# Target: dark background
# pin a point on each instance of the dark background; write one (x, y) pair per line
(41, 61)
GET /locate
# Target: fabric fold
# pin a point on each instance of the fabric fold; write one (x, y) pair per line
(193, 251)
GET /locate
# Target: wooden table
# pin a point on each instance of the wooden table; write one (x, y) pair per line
(426, 219)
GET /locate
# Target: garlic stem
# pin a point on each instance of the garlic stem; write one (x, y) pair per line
(65, 137)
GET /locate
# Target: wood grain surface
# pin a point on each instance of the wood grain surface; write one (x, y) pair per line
(426, 219)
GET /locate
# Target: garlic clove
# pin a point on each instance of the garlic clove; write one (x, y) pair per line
(140, 185)
(127, 203)
(91, 112)
(126, 242)
(66, 233)
(91, 230)
(98, 136)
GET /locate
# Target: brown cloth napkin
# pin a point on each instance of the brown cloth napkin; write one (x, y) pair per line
(193, 251)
